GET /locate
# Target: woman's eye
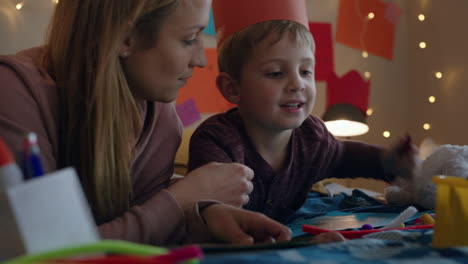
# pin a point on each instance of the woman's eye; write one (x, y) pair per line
(191, 41)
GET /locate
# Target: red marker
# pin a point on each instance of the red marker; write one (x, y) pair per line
(10, 173)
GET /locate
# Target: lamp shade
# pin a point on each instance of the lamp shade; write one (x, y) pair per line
(345, 120)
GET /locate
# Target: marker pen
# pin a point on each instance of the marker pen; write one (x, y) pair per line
(10, 173)
(401, 218)
(31, 155)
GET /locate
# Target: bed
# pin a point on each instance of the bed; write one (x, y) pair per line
(396, 246)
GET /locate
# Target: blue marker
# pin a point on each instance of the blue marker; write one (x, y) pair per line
(32, 159)
(35, 162)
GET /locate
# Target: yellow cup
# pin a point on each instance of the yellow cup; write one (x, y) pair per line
(451, 225)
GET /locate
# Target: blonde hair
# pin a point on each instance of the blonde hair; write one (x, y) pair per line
(237, 48)
(99, 117)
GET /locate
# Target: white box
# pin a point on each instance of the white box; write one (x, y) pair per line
(45, 213)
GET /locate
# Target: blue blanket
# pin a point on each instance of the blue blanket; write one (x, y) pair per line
(401, 247)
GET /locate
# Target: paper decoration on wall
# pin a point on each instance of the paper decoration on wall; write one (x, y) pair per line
(202, 87)
(392, 13)
(351, 88)
(188, 112)
(210, 29)
(325, 65)
(354, 29)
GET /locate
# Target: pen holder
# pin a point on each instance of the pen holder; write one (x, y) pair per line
(451, 225)
(45, 213)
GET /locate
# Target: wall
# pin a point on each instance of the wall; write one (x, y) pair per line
(23, 28)
(389, 83)
(399, 88)
(447, 42)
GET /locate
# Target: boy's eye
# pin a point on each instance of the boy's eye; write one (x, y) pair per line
(306, 72)
(274, 74)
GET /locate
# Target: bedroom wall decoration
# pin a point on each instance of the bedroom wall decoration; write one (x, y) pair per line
(202, 87)
(431, 99)
(423, 45)
(368, 25)
(188, 112)
(324, 55)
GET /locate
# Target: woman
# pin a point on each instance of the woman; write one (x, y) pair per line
(98, 96)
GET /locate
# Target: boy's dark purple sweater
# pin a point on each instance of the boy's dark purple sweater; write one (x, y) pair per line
(314, 154)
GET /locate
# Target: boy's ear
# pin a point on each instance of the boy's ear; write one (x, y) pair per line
(228, 87)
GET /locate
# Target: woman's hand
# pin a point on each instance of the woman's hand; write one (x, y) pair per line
(229, 183)
(238, 226)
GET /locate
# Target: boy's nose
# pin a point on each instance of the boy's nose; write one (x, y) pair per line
(295, 84)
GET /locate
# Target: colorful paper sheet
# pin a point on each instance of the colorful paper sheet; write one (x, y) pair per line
(210, 29)
(325, 65)
(188, 112)
(202, 87)
(375, 36)
(350, 88)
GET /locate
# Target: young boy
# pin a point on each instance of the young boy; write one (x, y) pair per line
(267, 70)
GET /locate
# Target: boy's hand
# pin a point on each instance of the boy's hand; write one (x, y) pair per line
(401, 160)
(238, 226)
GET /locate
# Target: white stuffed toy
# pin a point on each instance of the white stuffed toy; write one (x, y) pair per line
(450, 160)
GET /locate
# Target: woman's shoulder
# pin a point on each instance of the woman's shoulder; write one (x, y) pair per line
(26, 62)
(25, 71)
(28, 102)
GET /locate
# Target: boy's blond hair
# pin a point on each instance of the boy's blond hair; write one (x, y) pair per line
(237, 48)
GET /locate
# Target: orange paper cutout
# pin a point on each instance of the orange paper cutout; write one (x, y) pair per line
(202, 87)
(376, 38)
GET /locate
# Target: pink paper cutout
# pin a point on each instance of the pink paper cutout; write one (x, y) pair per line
(188, 112)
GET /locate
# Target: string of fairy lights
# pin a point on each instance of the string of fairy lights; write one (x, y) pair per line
(366, 18)
(439, 75)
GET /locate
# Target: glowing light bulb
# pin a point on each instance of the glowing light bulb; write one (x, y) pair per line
(367, 74)
(19, 5)
(421, 17)
(55, 1)
(369, 111)
(365, 54)
(431, 99)
(426, 126)
(386, 134)
(422, 45)
(438, 75)
(370, 16)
